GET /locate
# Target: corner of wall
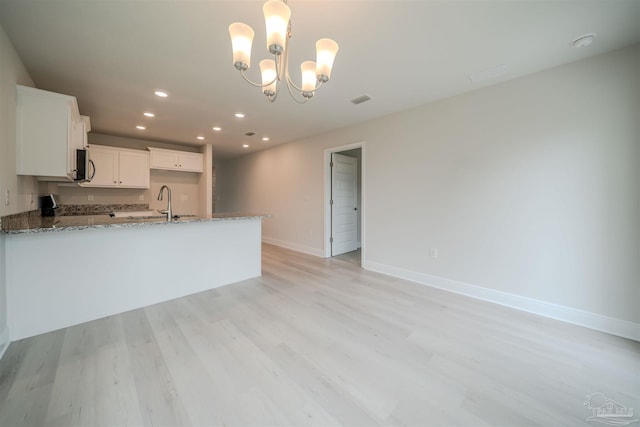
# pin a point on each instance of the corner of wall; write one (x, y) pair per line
(4, 341)
(5, 336)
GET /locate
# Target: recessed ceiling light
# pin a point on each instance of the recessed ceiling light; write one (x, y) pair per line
(140, 127)
(265, 138)
(149, 114)
(217, 128)
(583, 41)
(240, 115)
(245, 145)
(161, 93)
(200, 137)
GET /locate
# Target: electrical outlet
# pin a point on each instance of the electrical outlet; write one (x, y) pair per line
(433, 253)
(141, 197)
(7, 196)
(90, 197)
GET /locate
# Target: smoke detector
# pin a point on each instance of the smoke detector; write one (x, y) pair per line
(583, 41)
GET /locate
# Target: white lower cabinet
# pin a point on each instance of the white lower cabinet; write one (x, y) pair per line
(119, 167)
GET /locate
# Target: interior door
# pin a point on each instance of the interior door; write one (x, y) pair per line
(344, 204)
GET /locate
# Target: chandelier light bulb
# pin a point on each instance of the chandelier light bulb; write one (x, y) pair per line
(326, 50)
(241, 41)
(268, 71)
(308, 69)
(276, 18)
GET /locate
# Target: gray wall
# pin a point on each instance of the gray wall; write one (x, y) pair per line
(528, 188)
(12, 72)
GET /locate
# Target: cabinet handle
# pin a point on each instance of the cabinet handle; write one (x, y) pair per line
(115, 182)
(175, 165)
(120, 182)
(94, 169)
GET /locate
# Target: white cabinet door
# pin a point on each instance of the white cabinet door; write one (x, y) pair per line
(175, 160)
(191, 162)
(47, 134)
(134, 169)
(164, 159)
(119, 167)
(106, 164)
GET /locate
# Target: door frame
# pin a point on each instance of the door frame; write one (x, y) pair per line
(327, 195)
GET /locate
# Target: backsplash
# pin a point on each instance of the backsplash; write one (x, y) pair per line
(67, 210)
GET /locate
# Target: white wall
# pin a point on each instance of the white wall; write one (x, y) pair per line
(528, 188)
(12, 72)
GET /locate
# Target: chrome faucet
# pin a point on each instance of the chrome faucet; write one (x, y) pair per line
(168, 211)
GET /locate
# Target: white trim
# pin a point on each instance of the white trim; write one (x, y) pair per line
(4, 341)
(599, 322)
(294, 246)
(327, 195)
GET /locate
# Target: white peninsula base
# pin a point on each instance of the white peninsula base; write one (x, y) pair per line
(59, 279)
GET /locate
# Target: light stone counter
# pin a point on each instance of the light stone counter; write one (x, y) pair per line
(39, 224)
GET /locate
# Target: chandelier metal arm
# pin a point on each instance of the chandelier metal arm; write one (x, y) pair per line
(294, 95)
(256, 84)
(289, 81)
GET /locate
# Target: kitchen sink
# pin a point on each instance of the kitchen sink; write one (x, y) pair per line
(134, 214)
(144, 214)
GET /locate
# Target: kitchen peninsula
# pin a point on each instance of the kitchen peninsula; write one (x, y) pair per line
(62, 271)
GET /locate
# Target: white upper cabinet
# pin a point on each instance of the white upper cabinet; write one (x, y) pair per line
(176, 160)
(49, 130)
(119, 167)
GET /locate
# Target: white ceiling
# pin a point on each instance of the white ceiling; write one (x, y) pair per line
(113, 54)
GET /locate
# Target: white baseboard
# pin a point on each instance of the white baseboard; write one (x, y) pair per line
(4, 341)
(599, 322)
(294, 246)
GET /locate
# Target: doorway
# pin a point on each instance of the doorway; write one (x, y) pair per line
(344, 202)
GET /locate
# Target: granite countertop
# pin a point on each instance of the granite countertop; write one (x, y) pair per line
(30, 222)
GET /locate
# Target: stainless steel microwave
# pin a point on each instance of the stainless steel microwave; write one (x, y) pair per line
(85, 168)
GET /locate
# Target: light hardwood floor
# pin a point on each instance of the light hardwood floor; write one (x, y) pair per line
(317, 342)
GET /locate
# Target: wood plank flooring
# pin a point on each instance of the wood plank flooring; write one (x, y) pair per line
(317, 342)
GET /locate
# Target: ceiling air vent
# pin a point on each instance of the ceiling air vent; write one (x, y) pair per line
(250, 133)
(360, 99)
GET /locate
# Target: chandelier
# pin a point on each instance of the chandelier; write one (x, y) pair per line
(275, 72)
